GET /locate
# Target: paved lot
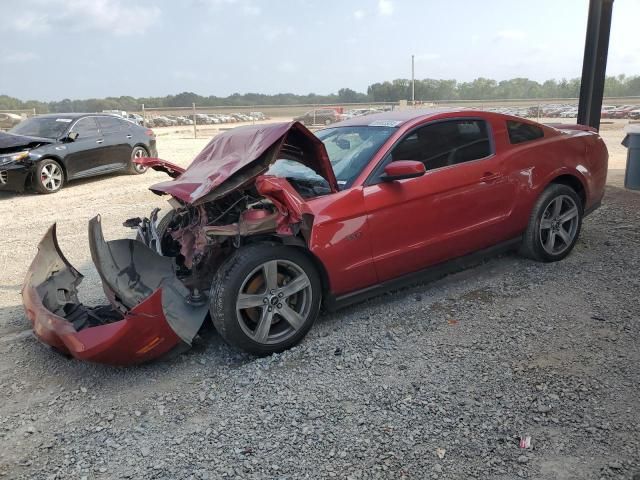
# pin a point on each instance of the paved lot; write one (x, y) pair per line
(457, 369)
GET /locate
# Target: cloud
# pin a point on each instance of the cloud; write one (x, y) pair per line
(510, 35)
(358, 14)
(119, 17)
(249, 9)
(182, 75)
(272, 33)
(19, 57)
(385, 7)
(287, 67)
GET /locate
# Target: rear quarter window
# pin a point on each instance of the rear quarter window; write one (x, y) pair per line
(520, 132)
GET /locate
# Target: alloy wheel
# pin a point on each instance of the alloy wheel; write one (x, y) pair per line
(274, 302)
(139, 153)
(51, 177)
(559, 225)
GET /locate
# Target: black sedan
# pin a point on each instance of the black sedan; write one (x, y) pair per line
(44, 152)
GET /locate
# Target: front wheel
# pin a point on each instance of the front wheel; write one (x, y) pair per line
(134, 168)
(265, 298)
(554, 224)
(49, 176)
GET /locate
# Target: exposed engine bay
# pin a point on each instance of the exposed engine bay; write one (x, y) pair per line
(158, 284)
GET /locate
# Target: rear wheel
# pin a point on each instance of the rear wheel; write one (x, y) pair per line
(49, 176)
(265, 298)
(554, 224)
(134, 168)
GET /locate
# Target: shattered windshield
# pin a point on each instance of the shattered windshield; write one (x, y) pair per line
(44, 127)
(350, 149)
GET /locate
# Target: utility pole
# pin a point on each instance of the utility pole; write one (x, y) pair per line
(413, 82)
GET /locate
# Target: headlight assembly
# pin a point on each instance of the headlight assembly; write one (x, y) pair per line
(14, 157)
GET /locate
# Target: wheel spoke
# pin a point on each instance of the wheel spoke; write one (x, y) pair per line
(557, 207)
(568, 215)
(545, 223)
(292, 317)
(270, 271)
(261, 332)
(299, 283)
(564, 235)
(551, 240)
(247, 300)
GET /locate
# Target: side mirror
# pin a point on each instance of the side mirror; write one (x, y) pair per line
(72, 136)
(402, 169)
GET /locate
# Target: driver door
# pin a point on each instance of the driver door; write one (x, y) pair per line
(460, 205)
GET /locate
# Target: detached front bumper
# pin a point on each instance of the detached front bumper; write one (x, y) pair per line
(150, 312)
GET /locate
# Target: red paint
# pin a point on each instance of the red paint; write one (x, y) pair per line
(370, 234)
(160, 165)
(366, 234)
(118, 343)
(403, 168)
(235, 150)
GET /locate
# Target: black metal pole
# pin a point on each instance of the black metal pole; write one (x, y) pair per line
(596, 47)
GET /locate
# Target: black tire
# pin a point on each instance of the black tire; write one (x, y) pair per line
(245, 267)
(535, 244)
(164, 223)
(134, 168)
(48, 177)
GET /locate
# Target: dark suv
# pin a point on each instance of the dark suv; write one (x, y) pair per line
(46, 151)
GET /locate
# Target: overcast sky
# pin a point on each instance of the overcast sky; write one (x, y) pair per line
(55, 49)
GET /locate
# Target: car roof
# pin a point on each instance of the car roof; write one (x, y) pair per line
(399, 117)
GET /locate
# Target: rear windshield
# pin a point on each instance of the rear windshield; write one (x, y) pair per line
(45, 127)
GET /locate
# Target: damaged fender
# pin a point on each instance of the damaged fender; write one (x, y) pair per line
(151, 312)
(160, 165)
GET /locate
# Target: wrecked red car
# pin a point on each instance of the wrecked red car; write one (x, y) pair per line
(272, 222)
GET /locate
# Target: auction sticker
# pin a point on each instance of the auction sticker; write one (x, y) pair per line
(64, 120)
(385, 123)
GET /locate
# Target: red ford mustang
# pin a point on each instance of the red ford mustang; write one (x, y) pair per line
(271, 222)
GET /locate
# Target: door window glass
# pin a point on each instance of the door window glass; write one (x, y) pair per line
(109, 124)
(86, 128)
(445, 143)
(520, 132)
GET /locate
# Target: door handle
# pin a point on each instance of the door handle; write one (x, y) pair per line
(129, 136)
(99, 141)
(490, 177)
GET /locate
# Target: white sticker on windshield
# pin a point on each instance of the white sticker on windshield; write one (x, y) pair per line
(65, 120)
(385, 123)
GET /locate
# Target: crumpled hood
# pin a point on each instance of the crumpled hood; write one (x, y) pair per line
(238, 156)
(9, 141)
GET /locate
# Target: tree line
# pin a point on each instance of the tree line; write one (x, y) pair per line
(389, 91)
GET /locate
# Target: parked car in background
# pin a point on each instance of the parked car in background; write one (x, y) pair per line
(9, 120)
(135, 118)
(270, 222)
(634, 114)
(46, 151)
(321, 116)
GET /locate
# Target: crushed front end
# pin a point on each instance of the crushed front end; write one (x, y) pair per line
(157, 285)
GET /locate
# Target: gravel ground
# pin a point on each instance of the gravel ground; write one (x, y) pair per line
(434, 381)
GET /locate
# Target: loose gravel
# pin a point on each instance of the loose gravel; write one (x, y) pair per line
(437, 381)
